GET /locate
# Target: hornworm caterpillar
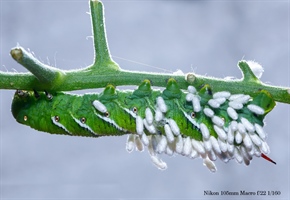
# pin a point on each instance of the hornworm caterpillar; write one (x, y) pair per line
(193, 123)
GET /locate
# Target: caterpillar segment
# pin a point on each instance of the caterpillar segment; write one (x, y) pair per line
(193, 123)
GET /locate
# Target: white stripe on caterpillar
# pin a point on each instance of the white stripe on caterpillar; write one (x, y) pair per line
(221, 133)
(223, 94)
(232, 113)
(208, 112)
(112, 122)
(139, 125)
(161, 104)
(187, 147)
(196, 104)
(60, 125)
(175, 129)
(204, 131)
(217, 121)
(248, 125)
(235, 105)
(130, 144)
(83, 125)
(99, 106)
(149, 116)
(209, 164)
(260, 131)
(191, 89)
(169, 134)
(213, 103)
(256, 109)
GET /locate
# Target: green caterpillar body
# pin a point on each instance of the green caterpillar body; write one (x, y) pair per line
(191, 123)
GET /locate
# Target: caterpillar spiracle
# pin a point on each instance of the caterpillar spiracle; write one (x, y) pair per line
(193, 123)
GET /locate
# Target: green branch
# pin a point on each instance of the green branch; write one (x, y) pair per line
(104, 71)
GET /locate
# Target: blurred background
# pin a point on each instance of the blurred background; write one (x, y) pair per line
(207, 37)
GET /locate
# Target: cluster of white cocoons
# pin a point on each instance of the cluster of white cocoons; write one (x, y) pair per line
(241, 140)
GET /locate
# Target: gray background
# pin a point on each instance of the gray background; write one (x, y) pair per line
(207, 37)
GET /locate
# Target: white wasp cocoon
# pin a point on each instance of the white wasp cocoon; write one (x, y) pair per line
(130, 144)
(238, 155)
(193, 154)
(161, 104)
(158, 115)
(232, 113)
(169, 151)
(189, 97)
(243, 99)
(158, 162)
(151, 128)
(191, 89)
(247, 142)
(248, 125)
(207, 145)
(235, 105)
(175, 129)
(145, 139)
(223, 145)
(169, 134)
(241, 128)
(220, 100)
(234, 126)
(139, 125)
(162, 144)
(196, 104)
(204, 131)
(213, 103)
(231, 136)
(209, 164)
(211, 155)
(235, 96)
(260, 131)
(238, 137)
(223, 94)
(139, 144)
(187, 147)
(208, 112)
(245, 155)
(265, 148)
(217, 121)
(149, 116)
(221, 133)
(99, 106)
(231, 148)
(198, 147)
(179, 144)
(215, 145)
(256, 109)
(255, 139)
